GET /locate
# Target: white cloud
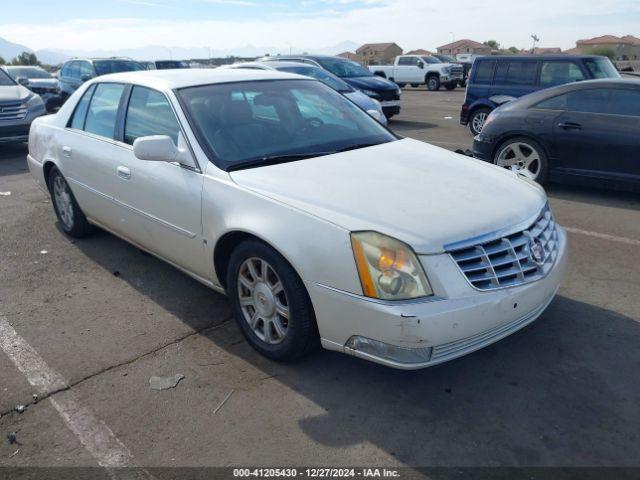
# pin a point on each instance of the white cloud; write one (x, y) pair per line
(410, 23)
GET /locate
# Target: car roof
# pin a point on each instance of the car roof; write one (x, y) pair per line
(557, 56)
(180, 78)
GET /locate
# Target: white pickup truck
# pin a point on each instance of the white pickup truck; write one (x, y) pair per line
(420, 70)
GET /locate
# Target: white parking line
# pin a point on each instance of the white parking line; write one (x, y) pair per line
(93, 434)
(604, 236)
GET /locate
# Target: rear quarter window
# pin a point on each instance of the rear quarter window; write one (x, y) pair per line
(484, 71)
(516, 72)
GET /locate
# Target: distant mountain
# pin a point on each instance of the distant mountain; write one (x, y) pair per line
(9, 50)
(54, 56)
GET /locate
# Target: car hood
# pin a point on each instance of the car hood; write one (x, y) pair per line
(423, 195)
(371, 83)
(13, 93)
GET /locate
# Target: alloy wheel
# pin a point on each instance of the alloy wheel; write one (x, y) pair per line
(478, 121)
(521, 158)
(263, 300)
(63, 200)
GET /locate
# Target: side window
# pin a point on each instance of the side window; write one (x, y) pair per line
(80, 113)
(624, 102)
(484, 71)
(559, 73)
(65, 70)
(404, 61)
(149, 113)
(517, 72)
(589, 101)
(103, 109)
(554, 103)
(85, 69)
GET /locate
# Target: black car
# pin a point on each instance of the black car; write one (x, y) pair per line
(77, 71)
(360, 78)
(582, 133)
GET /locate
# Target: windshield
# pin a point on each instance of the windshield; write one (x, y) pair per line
(601, 68)
(344, 68)
(445, 58)
(104, 67)
(247, 124)
(168, 64)
(431, 60)
(319, 74)
(5, 79)
(26, 72)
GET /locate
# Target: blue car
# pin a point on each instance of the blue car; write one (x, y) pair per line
(360, 78)
(496, 80)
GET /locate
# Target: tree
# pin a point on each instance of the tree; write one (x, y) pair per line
(493, 44)
(26, 58)
(2, 62)
(513, 50)
(604, 51)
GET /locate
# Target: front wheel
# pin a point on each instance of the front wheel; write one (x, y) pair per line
(450, 86)
(477, 119)
(71, 218)
(525, 157)
(433, 83)
(270, 302)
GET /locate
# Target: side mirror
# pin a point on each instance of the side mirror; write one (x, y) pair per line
(22, 81)
(420, 64)
(155, 148)
(85, 78)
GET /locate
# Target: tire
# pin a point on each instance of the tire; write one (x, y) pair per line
(401, 85)
(524, 156)
(71, 218)
(433, 83)
(275, 336)
(477, 119)
(415, 85)
(451, 86)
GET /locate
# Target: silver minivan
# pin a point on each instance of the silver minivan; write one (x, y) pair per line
(18, 108)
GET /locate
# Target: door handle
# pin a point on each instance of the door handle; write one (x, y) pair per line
(66, 151)
(570, 126)
(124, 172)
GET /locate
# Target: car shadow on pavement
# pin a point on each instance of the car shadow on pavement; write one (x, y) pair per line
(12, 158)
(563, 391)
(594, 196)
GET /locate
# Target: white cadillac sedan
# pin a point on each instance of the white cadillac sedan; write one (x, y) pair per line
(319, 224)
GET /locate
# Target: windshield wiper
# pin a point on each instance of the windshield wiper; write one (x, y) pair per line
(356, 146)
(274, 159)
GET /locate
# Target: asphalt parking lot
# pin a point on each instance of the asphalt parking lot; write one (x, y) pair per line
(562, 392)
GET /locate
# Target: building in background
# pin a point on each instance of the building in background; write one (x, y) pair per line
(464, 46)
(378, 53)
(350, 56)
(421, 51)
(621, 48)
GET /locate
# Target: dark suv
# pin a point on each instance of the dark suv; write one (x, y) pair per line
(494, 81)
(77, 71)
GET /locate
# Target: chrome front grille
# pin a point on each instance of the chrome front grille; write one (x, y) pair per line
(511, 260)
(457, 71)
(13, 111)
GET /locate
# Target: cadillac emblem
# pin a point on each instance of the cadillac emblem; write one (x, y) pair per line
(536, 252)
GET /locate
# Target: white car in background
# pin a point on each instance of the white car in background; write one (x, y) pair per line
(319, 224)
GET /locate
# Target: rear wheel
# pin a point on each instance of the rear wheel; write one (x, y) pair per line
(433, 83)
(525, 157)
(71, 218)
(401, 85)
(477, 119)
(270, 302)
(450, 86)
(415, 85)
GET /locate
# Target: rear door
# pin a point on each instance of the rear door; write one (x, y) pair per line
(407, 71)
(162, 200)
(598, 134)
(87, 152)
(515, 78)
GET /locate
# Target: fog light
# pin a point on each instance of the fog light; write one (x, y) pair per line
(389, 352)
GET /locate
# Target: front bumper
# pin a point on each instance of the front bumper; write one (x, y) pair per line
(483, 148)
(456, 321)
(18, 130)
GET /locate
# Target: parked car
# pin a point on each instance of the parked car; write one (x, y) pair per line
(583, 133)
(500, 79)
(18, 108)
(77, 71)
(164, 64)
(420, 70)
(40, 82)
(382, 90)
(319, 224)
(368, 104)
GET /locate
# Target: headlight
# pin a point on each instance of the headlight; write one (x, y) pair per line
(371, 93)
(388, 268)
(34, 101)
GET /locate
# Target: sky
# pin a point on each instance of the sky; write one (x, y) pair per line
(308, 24)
